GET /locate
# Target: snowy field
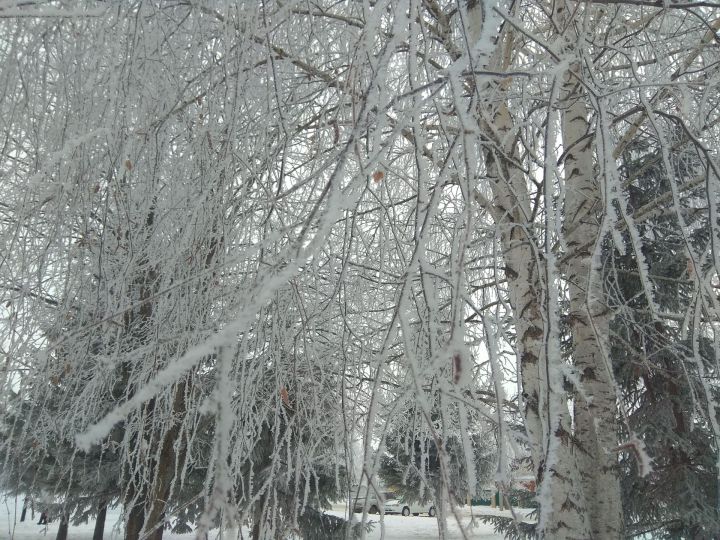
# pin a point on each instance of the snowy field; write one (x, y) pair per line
(390, 528)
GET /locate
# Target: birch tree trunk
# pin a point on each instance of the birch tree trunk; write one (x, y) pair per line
(595, 408)
(547, 417)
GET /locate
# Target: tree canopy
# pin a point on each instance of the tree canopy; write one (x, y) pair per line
(240, 242)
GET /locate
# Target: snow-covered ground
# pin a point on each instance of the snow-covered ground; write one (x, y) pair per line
(393, 527)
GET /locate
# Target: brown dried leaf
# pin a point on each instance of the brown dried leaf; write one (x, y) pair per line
(285, 396)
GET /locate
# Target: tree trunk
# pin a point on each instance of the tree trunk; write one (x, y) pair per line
(63, 528)
(165, 469)
(100, 521)
(257, 520)
(441, 514)
(547, 418)
(135, 522)
(146, 519)
(546, 414)
(148, 516)
(595, 409)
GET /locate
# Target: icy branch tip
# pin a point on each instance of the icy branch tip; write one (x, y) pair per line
(637, 448)
(96, 432)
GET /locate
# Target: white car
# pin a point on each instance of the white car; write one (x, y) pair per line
(375, 503)
(396, 506)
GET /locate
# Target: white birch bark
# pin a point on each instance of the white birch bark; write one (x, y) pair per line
(595, 408)
(548, 427)
(563, 502)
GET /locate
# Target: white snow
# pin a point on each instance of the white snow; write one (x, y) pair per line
(395, 527)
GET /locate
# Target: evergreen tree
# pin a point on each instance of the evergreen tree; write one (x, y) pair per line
(43, 463)
(411, 462)
(661, 358)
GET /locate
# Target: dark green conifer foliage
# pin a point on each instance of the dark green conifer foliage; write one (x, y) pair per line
(44, 464)
(411, 466)
(656, 359)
